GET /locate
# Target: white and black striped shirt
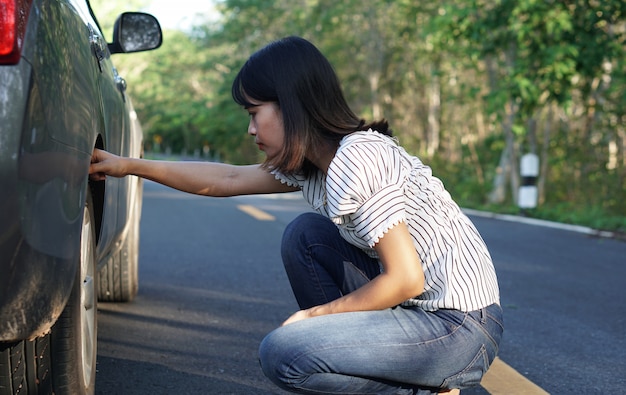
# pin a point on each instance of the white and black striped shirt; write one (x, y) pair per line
(373, 184)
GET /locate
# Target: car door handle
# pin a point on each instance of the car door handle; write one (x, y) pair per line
(120, 83)
(98, 47)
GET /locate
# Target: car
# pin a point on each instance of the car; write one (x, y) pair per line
(65, 242)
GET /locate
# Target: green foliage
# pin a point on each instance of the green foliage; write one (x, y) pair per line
(108, 11)
(460, 181)
(592, 216)
(460, 82)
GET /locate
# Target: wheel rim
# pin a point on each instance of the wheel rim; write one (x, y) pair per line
(87, 297)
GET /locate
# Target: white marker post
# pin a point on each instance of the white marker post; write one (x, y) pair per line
(529, 170)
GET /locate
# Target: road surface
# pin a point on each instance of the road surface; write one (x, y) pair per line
(212, 286)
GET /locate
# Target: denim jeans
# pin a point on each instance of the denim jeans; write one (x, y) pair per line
(400, 350)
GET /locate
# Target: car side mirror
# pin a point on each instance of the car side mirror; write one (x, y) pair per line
(135, 32)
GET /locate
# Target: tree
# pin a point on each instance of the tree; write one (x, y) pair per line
(534, 53)
(467, 85)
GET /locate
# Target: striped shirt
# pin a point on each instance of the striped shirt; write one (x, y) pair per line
(371, 185)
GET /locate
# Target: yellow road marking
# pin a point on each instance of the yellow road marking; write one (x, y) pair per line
(256, 213)
(501, 379)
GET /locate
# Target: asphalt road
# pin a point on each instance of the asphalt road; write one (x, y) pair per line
(212, 286)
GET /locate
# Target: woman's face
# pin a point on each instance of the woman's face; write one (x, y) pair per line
(266, 125)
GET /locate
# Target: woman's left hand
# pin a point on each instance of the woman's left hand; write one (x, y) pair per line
(298, 316)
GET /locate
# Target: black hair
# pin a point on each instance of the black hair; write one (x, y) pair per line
(293, 73)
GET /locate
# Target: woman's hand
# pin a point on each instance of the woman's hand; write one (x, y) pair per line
(298, 316)
(401, 279)
(104, 164)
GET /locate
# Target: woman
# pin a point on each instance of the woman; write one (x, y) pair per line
(397, 290)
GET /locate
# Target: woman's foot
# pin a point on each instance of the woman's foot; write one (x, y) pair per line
(454, 391)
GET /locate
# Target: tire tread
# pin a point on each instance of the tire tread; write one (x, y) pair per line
(25, 367)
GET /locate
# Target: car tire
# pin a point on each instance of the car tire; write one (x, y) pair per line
(25, 367)
(119, 277)
(73, 339)
(63, 361)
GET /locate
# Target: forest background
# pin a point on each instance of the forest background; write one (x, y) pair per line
(468, 86)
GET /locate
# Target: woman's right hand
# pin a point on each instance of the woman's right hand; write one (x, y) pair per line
(104, 164)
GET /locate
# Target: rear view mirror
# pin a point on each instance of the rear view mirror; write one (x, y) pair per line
(135, 32)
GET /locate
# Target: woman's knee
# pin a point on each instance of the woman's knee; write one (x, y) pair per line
(267, 358)
(302, 230)
(273, 354)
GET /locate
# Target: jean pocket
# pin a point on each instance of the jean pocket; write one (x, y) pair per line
(472, 374)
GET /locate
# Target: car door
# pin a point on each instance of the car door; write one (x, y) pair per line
(113, 132)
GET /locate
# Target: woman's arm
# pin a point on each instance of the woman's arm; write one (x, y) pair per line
(402, 278)
(201, 178)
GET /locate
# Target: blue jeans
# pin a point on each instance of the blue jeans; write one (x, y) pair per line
(400, 350)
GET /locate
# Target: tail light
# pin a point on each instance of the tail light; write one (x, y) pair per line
(13, 17)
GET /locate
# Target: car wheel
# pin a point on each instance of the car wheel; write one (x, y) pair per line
(74, 336)
(119, 277)
(63, 361)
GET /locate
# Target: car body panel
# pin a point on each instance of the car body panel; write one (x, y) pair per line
(56, 104)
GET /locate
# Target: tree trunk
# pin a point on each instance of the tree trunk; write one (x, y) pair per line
(507, 168)
(543, 161)
(434, 109)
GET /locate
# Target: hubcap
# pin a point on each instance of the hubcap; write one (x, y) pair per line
(87, 296)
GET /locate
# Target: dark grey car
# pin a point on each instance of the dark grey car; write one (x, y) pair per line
(65, 242)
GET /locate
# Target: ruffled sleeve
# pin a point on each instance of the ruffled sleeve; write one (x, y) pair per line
(365, 186)
(295, 180)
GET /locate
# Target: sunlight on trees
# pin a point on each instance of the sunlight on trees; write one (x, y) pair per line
(468, 86)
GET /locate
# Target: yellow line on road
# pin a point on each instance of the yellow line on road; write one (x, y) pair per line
(501, 379)
(256, 213)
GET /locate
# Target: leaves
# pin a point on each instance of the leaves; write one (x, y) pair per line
(451, 76)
